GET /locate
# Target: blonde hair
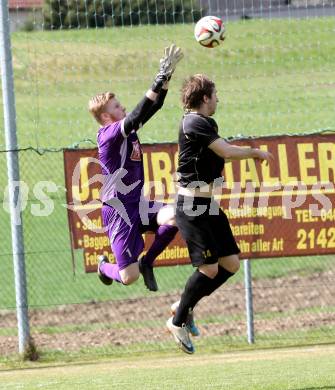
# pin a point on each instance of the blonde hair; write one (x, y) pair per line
(97, 104)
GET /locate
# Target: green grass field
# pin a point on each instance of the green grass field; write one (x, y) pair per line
(50, 275)
(305, 368)
(272, 76)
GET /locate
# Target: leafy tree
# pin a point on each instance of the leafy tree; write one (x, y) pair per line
(59, 14)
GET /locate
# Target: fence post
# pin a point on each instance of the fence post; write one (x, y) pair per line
(248, 301)
(13, 177)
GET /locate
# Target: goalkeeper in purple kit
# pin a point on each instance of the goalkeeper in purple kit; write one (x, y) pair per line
(126, 214)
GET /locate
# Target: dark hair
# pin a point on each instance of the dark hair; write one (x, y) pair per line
(194, 89)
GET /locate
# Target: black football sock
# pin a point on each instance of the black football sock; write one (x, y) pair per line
(196, 288)
(221, 277)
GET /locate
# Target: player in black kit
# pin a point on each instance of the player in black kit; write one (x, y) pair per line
(203, 225)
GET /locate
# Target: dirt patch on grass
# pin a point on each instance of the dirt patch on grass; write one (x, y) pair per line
(280, 305)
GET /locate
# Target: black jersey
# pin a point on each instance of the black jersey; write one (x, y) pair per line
(196, 162)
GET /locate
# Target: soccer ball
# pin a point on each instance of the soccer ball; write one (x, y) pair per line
(209, 31)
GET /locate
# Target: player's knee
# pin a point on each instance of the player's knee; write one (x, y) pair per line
(130, 275)
(235, 266)
(129, 279)
(210, 270)
(211, 273)
(172, 222)
(166, 216)
(230, 263)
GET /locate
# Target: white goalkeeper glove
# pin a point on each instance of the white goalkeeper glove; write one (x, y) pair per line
(172, 55)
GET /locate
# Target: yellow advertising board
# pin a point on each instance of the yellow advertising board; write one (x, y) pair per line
(282, 209)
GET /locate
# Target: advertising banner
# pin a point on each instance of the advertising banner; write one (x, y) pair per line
(276, 210)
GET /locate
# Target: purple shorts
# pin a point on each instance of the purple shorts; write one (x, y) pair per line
(125, 225)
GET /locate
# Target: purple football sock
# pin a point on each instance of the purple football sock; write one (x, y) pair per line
(164, 235)
(111, 271)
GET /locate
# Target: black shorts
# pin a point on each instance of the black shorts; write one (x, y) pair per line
(207, 234)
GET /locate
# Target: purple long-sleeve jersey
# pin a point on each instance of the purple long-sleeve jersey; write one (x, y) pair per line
(121, 161)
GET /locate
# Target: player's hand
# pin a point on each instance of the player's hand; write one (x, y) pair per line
(168, 63)
(172, 55)
(263, 155)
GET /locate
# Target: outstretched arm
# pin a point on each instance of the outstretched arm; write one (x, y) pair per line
(158, 103)
(233, 152)
(154, 98)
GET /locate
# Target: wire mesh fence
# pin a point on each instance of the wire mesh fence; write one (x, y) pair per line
(274, 75)
(70, 310)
